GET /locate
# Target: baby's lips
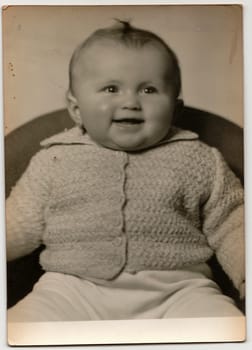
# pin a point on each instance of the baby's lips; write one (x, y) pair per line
(132, 120)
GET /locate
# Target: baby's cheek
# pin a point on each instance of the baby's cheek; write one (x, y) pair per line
(105, 107)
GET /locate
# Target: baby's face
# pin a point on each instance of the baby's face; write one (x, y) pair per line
(123, 96)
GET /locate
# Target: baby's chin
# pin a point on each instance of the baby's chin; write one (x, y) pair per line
(130, 146)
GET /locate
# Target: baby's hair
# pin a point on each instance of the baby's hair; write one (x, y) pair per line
(123, 32)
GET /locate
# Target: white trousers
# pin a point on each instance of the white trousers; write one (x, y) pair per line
(144, 295)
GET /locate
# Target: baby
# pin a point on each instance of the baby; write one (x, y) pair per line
(129, 207)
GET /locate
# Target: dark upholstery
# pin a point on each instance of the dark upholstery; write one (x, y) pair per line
(23, 142)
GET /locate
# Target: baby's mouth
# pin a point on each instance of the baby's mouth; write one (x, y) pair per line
(128, 121)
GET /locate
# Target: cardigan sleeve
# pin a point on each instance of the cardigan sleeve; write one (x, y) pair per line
(25, 209)
(223, 222)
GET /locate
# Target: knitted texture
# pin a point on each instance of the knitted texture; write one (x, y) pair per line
(100, 211)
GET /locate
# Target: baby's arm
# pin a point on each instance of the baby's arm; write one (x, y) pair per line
(223, 222)
(25, 209)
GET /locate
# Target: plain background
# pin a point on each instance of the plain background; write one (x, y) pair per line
(39, 41)
(248, 171)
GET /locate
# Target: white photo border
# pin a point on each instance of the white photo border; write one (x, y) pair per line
(247, 10)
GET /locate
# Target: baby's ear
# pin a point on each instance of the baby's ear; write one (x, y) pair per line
(179, 107)
(73, 108)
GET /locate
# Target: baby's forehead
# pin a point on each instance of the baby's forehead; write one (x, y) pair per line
(104, 47)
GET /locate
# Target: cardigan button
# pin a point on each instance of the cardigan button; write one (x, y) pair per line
(117, 241)
(118, 221)
(120, 260)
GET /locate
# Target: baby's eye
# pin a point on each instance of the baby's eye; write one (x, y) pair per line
(149, 90)
(111, 89)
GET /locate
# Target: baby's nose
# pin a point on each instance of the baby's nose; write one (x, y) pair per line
(131, 101)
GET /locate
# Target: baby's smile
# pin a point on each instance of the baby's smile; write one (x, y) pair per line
(130, 121)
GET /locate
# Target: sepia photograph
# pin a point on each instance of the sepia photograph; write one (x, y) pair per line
(124, 174)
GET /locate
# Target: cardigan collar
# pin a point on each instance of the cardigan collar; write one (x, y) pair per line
(75, 136)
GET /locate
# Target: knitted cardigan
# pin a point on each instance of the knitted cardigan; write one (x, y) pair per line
(100, 212)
